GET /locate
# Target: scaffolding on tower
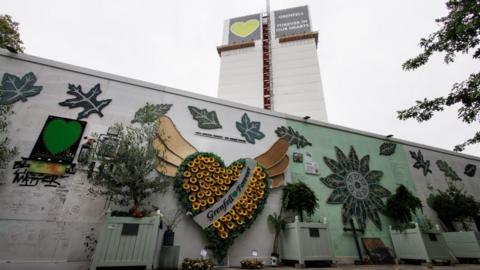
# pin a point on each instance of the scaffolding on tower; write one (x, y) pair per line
(267, 61)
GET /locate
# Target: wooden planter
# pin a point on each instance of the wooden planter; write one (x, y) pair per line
(127, 241)
(412, 244)
(463, 245)
(302, 241)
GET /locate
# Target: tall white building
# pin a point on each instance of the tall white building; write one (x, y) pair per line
(271, 62)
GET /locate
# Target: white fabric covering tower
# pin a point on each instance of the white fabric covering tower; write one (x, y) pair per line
(272, 63)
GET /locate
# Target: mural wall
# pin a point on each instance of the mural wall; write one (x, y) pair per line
(49, 215)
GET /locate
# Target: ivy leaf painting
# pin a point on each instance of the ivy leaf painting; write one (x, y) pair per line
(249, 129)
(13, 88)
(447, 170)
(420, 163)
(150, 113)
(470, 170)
(292, 136)
(206, 119)
(88, 100)
(387, 148)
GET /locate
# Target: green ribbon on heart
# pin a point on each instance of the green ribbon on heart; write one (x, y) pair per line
(59, 135)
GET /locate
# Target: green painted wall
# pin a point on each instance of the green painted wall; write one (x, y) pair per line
(394, 167)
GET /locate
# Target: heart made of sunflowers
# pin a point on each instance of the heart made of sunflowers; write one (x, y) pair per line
(224, 201)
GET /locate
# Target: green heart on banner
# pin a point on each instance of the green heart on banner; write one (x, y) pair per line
(59, 135)
(244, 29)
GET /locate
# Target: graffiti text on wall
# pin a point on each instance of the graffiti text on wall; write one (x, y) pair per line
(26, 178)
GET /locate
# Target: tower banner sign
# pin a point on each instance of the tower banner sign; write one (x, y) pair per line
(292, 21)
(246, 28)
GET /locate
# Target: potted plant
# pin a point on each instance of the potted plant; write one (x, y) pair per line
(169, 254)
(278, 224)
(127, 177)
(300, 198)
(302, 241)
(454, 206)
(409, 241)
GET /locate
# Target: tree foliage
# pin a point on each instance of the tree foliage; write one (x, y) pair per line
(9, 35)
(402, 205)
(129, 176)
(453, 205)
(300, 198)
(6, 151)
(459, 33)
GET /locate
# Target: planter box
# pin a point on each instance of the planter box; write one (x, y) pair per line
(127, 241)
(463, 245)
(412, 244)
(301, 241)
(168, 259)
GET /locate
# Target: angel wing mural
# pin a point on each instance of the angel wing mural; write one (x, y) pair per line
(173, 149)
(224, 200)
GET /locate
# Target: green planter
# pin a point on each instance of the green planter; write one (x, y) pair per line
(127, 241)
(412, 244)
(463, 245)
(302, 241)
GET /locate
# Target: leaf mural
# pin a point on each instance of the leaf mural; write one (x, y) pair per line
(420, 163)
(249, 129)
(447, 170)
(387, 148)
(88, 100)
(150, 113)
(14, 89)
(292, 136)
(205, 119)
(470, 170)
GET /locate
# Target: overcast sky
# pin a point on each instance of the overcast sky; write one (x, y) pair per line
(361, 47)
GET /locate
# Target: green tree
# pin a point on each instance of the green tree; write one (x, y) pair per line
(300, 198)
(6, 151)
(402, 205)
(128, 176)
(9, 35)
(459, 33)
(453, 205)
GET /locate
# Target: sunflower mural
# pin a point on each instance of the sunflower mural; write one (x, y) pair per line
(356, 187)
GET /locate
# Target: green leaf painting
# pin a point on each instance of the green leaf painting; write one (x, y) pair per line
(250, 130)
(387, 148)
(88, 101)
(293, 137)
(447, 170)
(420, 163)
(14, 89)
(205, 119)
(150, 113)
